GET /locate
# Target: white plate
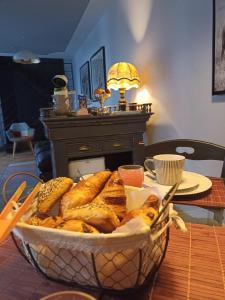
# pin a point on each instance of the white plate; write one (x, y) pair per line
(187, 182)
(193, 183)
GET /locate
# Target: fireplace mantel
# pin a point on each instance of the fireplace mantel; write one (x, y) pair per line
(75, 138)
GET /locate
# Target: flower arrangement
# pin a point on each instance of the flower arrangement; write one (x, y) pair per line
(102, 95)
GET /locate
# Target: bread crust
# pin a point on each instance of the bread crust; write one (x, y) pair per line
(98, 215)
(77, 226)
(148, 214)
(85, 191)
(52, 191)
(113, 195)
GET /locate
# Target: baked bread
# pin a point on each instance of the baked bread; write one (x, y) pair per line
(51, 191)
(51, 222)
(147, 214)
(152, 201)
(35, 220)
(85, 191)
(98, 215)
(46, 221)
(77, 226)
(113, 194)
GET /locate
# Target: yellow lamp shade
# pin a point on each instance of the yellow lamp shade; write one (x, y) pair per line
(123, 75)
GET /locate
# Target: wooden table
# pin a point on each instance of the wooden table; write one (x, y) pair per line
(194, 268)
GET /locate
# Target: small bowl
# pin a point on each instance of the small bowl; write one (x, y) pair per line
(68, 295)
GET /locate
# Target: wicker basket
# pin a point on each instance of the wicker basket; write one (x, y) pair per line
(115, 262)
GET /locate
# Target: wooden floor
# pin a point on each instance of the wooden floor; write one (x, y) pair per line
(7, 159)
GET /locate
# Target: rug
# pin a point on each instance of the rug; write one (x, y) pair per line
(29, 166)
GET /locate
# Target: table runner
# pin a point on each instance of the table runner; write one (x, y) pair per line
(214, 198)
(194, 269)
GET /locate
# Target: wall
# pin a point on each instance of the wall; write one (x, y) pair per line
(170, 42)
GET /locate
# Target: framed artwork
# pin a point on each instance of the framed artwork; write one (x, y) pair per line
(98, 71)
(218, 59)
(85, 80)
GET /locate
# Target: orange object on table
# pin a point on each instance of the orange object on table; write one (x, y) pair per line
(8, 222)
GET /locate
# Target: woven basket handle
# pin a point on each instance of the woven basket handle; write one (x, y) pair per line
(5, 185)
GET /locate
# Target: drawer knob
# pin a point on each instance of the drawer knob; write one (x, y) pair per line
(84, 148)
(116, 145)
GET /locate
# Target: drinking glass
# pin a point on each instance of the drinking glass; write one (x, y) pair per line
(132, 175)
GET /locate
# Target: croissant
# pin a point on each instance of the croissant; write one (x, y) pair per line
(98, 215)
(113, 194)
(147, 214)
(85, 191)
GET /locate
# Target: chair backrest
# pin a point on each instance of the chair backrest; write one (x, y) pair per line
(194, 150)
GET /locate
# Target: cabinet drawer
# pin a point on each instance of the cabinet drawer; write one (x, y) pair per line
(117, 145)
(85, 148)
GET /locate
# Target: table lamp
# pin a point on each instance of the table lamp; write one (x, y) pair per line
(122, 76)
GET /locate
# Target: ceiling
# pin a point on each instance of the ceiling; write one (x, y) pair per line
(41, 26)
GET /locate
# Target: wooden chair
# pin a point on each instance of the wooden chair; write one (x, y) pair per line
(196, 150)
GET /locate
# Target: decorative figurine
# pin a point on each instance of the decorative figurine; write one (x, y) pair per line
(102, 95)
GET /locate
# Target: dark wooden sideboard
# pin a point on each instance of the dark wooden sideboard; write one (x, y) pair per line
(119, 138)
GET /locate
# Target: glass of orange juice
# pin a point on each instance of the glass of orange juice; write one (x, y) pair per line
(132, 175)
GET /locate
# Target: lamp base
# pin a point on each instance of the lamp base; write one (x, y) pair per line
(122, 102)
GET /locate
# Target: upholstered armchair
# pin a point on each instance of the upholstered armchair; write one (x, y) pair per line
(20, 132)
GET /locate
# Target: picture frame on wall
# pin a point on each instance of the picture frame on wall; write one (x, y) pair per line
(98, 70)
(85, 85)
(218, 59)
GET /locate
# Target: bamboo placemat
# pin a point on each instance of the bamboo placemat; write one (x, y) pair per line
(193, 269)
(215, 197)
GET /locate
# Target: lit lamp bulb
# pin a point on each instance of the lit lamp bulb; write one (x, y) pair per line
(143, 96)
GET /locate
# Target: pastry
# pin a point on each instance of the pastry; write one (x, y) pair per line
(85, 191)
(35, 220)
(51, 191)
(77, 226)
(152, 201)
(51, 222)
(147, 214)
(113, 194)
(98, 215)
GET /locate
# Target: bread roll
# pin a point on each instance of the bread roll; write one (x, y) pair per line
(77, 226)
(113, 194)
(152, 201)
(52, 191)
(85, 191)
(98, 215)
(35, 220)
(147, 214)
(51, 222)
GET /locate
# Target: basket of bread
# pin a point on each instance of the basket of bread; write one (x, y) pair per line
(96, 233)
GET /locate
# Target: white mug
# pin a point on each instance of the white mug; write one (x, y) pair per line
(168, 168)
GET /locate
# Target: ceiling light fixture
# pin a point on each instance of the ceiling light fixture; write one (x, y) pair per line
(26, 57)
